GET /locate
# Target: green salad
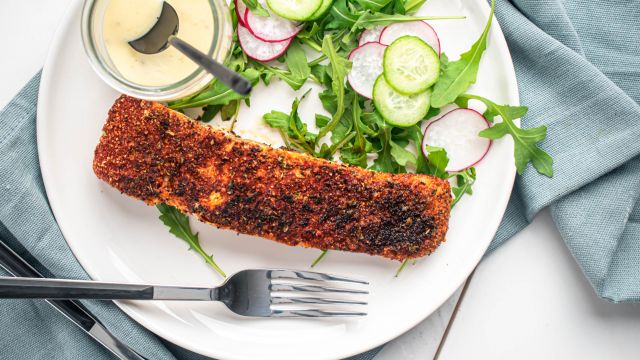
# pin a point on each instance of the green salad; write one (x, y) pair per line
(383, 76)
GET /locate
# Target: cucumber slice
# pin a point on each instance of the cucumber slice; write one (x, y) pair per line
(298, 10)
(326, 4)
(411, 66)
(397, 109)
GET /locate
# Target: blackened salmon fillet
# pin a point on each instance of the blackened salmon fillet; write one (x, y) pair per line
(157, 155)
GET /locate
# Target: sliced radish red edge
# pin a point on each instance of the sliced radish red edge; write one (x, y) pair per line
(366, 67)
(241, 9)
(285, 29)
(457, 132)
(370, 35)
(420, 29)
(260, 50)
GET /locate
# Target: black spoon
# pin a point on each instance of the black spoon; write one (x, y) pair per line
(163, 34)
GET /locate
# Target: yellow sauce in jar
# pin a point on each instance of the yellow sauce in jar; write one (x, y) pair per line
(127, 20)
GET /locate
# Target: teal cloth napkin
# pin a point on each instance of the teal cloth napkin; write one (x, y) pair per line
(578, 66)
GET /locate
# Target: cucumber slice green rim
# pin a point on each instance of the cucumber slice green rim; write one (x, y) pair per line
(397, 109)
(297, 10)
(410, 65)
(326, 4)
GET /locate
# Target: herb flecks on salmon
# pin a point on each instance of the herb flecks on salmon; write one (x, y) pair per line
(157, 155)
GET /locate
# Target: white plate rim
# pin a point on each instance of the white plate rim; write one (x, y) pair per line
(423, 313)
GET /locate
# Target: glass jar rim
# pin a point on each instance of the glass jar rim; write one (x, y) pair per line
(195, 81)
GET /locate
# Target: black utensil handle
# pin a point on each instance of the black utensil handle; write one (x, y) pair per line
(31, 288)
(74, 311)
(15, 265)
(233, 80)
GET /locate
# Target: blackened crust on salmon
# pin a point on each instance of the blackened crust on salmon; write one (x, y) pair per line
(154, 154)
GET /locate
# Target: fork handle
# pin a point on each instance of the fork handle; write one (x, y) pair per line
(57, 289)
(54, 289)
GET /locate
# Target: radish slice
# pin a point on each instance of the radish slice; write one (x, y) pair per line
(367, 66)
(258, 49)
(272, 28)
(415, 28)
(241, 8)
(370, 35)
(457, 132)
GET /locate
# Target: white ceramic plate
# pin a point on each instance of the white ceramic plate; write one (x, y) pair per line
(116, 238)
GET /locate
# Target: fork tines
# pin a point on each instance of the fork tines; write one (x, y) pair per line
(314, 313)
(310, 275)
(313, 300)
(282, 281)
(313, 288)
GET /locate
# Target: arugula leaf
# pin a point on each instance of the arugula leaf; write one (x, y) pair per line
(356, 114)
(294, 132)
(348, 42)
(348, 136)
(345, 124)
(525, 140)
(210, 111)
(296, 61)
(526, 149)
(277, 120)
(319, 72)
(433, 112)
(342, 129)
(375, 5)
(256, 8)
(414, 133)
(385, 161)
(319, 258)
(178, 224)
(411, 6)
(373, 119)
(298, 68)
(349, 155)
(322, 120)
(294, 81)
(493, 110)
(329, 101)
(341, 15)
(309, 33)
(444, 62)
(404, 263)
(368, 19)
(327, 152)
(464, 184)
(228, 111)
(217, 93)
(340, 67)
(459, 75)
(398, 7)
(401, 155)
(437, 162)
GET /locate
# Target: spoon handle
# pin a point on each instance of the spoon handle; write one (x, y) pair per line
(233, 80)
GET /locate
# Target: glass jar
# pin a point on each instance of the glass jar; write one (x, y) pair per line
(93, 14)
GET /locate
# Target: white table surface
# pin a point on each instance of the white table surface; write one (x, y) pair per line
(529, 300)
